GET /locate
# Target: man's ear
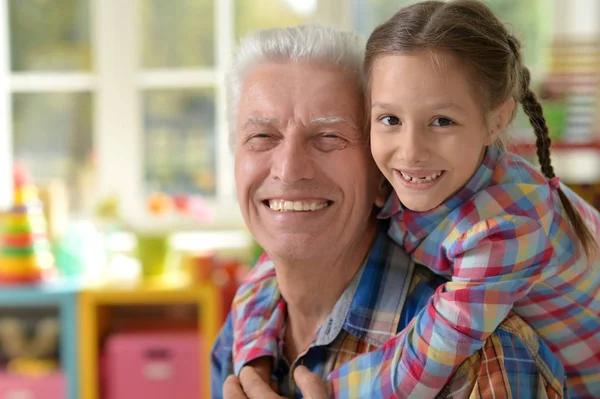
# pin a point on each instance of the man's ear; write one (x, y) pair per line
(500, 119)
(384, 189)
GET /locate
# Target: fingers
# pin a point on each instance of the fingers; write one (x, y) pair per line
(263, 366)
(232, 389)
(310, 384)
(254, 386)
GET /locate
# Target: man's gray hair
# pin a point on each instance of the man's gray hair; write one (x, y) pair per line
(297, 44)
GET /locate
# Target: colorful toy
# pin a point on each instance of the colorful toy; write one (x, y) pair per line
(192, 206)
(29, 350)
(25, 254)
(29, 356)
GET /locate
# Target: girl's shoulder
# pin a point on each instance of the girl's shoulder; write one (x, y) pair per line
(516, 190)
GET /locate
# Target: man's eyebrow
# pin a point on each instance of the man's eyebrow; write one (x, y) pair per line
(260, 121)
(331, 120)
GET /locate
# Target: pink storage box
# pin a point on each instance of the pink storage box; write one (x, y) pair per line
(152, 366)
(49, 386)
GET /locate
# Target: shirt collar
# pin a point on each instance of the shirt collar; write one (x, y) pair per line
(371, 305)
(420, 224)
(334, 323)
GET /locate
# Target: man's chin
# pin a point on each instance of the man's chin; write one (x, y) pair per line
(295, 247)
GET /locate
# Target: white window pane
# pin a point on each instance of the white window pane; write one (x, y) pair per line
(271, 14)
(179, 141)
(49, 35)
(371, 13)
(526, 19)
(53, 138)
(177, 33)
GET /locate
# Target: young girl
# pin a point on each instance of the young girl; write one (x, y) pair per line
(444, 81)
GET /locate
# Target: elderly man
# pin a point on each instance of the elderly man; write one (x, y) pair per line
(308, 190)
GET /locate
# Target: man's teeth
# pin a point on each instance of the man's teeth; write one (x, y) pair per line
(425, 179)
(296, 206)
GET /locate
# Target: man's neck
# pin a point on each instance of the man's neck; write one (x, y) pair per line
(312, 287)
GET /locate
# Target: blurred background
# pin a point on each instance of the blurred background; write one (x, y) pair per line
(116, 180)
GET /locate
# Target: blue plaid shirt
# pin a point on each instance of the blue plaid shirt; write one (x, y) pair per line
(354, 348)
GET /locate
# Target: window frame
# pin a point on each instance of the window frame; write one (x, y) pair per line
(5, 113)
(127, 83)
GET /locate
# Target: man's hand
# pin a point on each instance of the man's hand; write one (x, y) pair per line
(251, 385)
(263, 367)
(232, 389)
(310, 384)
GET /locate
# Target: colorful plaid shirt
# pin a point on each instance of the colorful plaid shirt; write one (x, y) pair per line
(506, 243)
(352, 349)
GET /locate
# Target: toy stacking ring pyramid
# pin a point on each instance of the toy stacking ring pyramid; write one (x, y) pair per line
(25, 254)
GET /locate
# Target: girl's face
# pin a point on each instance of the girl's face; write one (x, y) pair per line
(428, 131)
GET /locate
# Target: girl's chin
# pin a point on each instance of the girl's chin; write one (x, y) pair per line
(419, 202)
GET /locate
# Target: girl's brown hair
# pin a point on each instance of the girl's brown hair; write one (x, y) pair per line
(470, 32)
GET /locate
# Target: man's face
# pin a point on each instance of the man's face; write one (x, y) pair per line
(305, 179)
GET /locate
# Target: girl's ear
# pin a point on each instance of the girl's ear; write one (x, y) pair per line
(500, 119)
(384, 189)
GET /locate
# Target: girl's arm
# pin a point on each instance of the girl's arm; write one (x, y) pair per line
(258, 314)
(495, 262)
(513, 362)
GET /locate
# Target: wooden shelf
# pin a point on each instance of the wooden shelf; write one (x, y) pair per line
(92, 321)
(62, 294)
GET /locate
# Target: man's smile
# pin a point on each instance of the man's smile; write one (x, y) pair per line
(308, 205)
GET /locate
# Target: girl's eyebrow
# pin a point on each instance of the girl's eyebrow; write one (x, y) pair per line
(435, 107)
(381, 105)
(448, 105)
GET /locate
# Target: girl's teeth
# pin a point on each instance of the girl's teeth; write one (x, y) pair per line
(426, 179)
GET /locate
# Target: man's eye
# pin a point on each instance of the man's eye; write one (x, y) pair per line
(329, 142)
(261, 142)
(442, 122)
(260, 136)
(390, 120)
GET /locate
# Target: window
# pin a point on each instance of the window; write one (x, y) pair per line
(186, 46)
(50, 92)
(528, 20)
(127, 98)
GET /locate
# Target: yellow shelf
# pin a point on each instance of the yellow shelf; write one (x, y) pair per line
(93, 321)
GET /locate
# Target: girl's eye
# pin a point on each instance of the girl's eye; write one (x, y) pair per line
(390, 120)
(442, 122)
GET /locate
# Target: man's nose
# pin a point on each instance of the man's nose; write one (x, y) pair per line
(413, 145)
(293, 161)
